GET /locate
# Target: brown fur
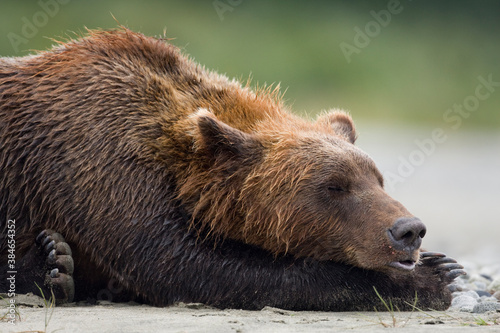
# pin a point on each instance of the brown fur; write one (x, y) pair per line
(262, 195)
(181, 184)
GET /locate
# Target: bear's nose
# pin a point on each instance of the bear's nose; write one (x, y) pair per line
(407, 233)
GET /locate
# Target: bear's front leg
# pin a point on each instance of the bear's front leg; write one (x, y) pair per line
(47, 266)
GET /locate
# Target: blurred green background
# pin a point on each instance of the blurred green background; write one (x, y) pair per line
(416, 65)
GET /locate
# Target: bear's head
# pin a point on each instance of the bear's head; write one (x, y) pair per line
(298, 187)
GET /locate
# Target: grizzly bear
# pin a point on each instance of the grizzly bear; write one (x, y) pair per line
(128, 171)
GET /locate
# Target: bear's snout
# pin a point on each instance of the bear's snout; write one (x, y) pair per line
(406, 234)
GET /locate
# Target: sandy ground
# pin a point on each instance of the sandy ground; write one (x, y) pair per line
(455, 191)
(198, 318)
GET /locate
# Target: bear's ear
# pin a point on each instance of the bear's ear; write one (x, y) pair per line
(341, 123)
(222, 140)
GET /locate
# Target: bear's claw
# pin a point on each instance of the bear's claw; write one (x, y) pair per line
(446, 267)
(444, 260)
(452, 275)
(60, 265)
(449, 267)
(424, 255)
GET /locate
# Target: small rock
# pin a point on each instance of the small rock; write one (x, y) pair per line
(487, 277)
(455, 287)
(479, 279)
(487, 299)
(479, 285)
(485, 307)
(434, 322)
(471, 293)
(497, 295)
(464, 303)
(483, 293)
(494, 286)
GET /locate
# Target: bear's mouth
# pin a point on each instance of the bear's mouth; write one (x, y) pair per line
(406, 265)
